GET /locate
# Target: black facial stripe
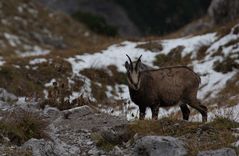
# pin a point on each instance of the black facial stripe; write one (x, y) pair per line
(130, 78)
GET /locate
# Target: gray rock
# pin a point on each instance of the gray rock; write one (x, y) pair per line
(94, 152)
(159, 145)
(78, 111)
(219, 152)
(6, 96)
(40, 147)
(51, 112)
(117, 151)
(116, 134)
(222, 11)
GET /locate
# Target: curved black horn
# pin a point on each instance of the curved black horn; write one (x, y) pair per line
(138, 61)
(139, 58)
(129, 59)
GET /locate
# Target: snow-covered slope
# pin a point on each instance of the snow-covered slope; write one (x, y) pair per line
(212, 81)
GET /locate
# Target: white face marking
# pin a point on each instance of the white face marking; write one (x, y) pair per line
(135, 80)
(134, 77)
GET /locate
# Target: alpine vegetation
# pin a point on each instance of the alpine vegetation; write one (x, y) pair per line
(163, 87)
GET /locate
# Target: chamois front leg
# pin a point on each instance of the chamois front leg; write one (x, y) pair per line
(155, 112)
(142, 110)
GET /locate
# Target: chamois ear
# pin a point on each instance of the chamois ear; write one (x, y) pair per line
(126, 64)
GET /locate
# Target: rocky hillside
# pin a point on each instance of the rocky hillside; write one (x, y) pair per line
(28, 27)
(132, 18)
(64, 89)
(113, 14)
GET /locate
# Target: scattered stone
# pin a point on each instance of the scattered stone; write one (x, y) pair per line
(117, 151)
(219, 152)
(40, 147)
(6, 96)
(159, 145)
(51, 112)
(80, 111)
(94, 152)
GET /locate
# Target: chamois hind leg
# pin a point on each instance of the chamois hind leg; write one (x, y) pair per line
(195, 103)
(155, 112)
(142, 110)
(185, 111)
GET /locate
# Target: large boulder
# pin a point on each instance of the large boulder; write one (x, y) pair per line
(159, 145)
(222, 11)
(219, 152)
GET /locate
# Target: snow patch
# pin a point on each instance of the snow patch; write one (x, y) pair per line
(1, 61)
(49, 84)
(191, 44)
(37, 61)
(37, 51)
(228, 112)
(114, 55)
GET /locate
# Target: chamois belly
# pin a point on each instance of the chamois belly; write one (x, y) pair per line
(169, 100)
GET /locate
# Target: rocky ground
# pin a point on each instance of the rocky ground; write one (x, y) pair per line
(85, 131)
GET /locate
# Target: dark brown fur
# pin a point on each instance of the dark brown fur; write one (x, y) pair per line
(168, 86)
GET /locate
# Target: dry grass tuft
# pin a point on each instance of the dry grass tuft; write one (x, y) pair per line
(24, 80)
(107, 76)
(16, 151)
(101, 142)
(173, 58)
(102, 77)
(151, 46)
(228, 96)
(227, 65)
(59, 96)
(164, 126)
(21, 125)
(201, 53)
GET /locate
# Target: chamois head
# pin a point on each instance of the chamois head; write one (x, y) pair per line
(133, 73)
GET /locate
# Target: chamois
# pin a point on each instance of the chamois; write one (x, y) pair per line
(163, 87)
